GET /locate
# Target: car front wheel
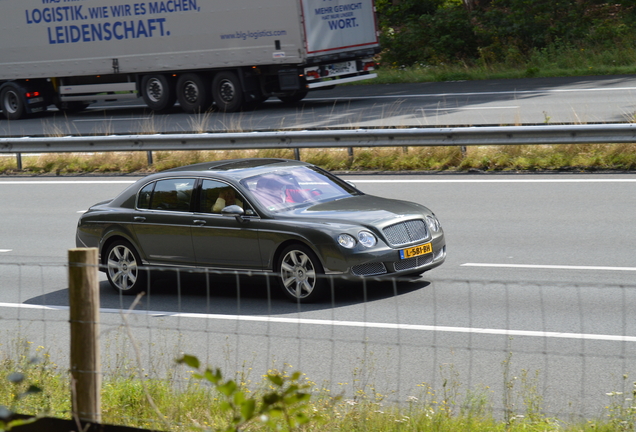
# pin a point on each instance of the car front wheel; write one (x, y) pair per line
(301, 274)
(122, 268)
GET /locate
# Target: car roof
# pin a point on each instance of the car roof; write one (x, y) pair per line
(237, 168)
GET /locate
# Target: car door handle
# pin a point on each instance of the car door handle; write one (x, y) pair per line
(199, 222)
(139, 219)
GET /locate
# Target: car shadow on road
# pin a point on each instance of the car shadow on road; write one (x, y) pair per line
(237, 294)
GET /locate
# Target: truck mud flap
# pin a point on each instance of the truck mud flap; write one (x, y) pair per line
(289, 79)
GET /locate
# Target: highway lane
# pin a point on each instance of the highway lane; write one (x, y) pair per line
(508, 219)
(571, 100)
(549, 258)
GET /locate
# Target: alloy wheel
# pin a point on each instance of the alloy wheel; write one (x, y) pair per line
(298, 274)
(123, 271)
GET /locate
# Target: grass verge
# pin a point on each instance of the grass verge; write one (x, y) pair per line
(573, 158)
(563, 61)
(196, 406)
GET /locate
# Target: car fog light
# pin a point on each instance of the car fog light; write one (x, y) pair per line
(367, 239)
(346, 241)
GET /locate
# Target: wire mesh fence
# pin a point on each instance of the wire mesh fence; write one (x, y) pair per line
(566, 350)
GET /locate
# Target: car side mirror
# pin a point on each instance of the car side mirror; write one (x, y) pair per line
(234, 210)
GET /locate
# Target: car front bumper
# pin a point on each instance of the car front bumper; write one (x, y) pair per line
(386, 261)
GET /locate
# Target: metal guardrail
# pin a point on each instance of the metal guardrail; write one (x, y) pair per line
(460, 136)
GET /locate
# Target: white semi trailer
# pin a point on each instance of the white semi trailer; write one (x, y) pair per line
(230, 53)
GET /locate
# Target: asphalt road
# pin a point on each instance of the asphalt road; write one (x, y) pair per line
(607, 99)
(539, 276)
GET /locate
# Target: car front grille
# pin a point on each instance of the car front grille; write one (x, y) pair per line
(406, 232)
(369, 269)
(411, 263)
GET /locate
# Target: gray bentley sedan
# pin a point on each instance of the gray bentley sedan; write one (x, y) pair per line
(278, 216)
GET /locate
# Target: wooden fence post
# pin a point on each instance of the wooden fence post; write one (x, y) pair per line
(84, 317)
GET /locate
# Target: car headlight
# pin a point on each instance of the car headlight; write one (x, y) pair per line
(346, 241)
(433, 223)
(367, 239)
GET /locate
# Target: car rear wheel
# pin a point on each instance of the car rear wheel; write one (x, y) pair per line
(301, 274)
(122, 268)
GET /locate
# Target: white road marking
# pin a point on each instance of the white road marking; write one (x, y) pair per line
(110, 119)
(358, 324)
(466, 108)
(582, 180)
(549, 267)
(571, 180)
(355, 180)
(484, 93)
(5, 250)
(64, 182)
(438, 180)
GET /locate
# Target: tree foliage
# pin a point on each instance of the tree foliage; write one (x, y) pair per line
(431, 32)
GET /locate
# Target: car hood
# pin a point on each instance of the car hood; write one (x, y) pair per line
(363, 209)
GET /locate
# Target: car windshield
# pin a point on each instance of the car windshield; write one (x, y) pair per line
(296, 186)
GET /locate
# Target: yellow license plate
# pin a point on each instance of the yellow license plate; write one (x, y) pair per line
(416, 251)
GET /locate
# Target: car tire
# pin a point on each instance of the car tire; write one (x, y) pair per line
(301, 275)
(122, 268)
(158, 92)
(13, 106)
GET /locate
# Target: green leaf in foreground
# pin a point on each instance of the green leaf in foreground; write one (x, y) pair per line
(282, 407)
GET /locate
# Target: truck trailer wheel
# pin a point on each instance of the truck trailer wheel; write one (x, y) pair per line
(193, 93)
(12, 102)
(158, 92)
(227, 92)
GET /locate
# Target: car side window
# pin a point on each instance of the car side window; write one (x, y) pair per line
(216, 195)
(143, 200)
(170, 194)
